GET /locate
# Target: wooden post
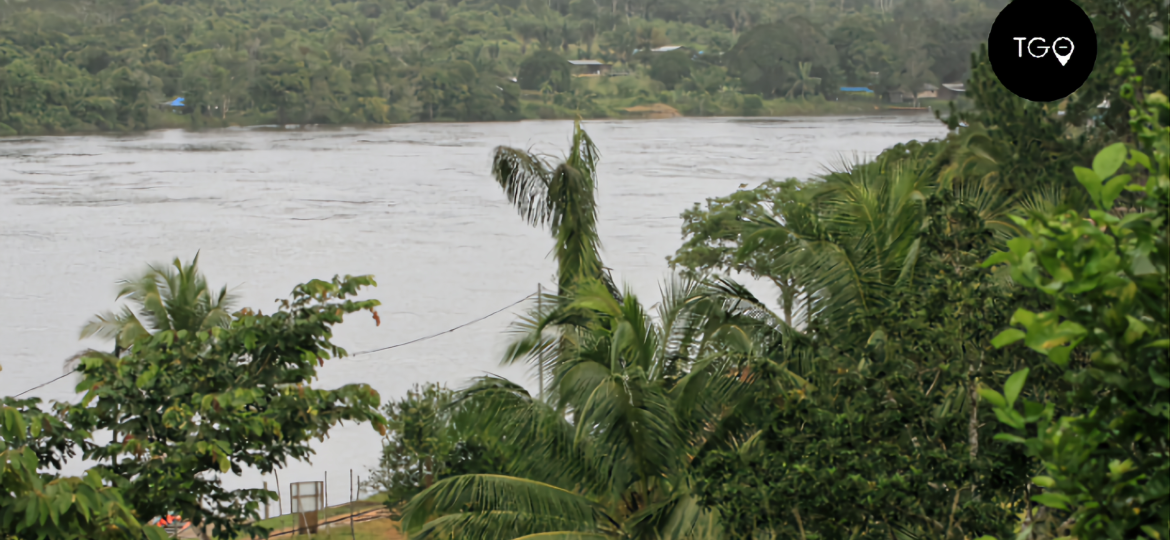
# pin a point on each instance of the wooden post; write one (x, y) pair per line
(279, 505)
(325, 488)
(265, 501)
(351, 533)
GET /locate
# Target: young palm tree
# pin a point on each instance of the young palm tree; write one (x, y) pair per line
(804, 80)
(634, 401)
(162, 298)
(856, 237)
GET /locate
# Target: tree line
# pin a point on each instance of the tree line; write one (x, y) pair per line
(70, 65)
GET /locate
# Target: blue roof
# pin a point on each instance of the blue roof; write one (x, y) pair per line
(178, 102)
(855, 89)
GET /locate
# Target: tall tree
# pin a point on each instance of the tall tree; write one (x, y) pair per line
(189, 403)
(563, 197)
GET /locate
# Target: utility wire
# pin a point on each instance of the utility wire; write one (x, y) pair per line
(424, 338)
(45, 384)
(496, 312)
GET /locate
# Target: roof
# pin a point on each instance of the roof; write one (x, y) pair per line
(855, 89)
(586, 63)
(178, 102)
(955, 87)
(667, 48)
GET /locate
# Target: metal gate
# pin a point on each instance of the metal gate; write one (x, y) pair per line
(307, 498)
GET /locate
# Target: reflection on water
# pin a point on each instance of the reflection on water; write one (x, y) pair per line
(413, 205)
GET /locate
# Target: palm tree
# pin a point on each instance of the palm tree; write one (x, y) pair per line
(561, 197)
(804, 80)
(162, 298)
(633, 399)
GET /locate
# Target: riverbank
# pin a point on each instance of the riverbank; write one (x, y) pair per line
(535, 109)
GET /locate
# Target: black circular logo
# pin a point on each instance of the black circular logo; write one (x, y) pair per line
(1042, 50)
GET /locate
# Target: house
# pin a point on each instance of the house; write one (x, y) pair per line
(856, 89)
(929, 91)
(895, 96)
(951, 91)
(669, 48)
(589, 68)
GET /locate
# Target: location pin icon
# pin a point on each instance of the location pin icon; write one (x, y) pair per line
(1062, 57)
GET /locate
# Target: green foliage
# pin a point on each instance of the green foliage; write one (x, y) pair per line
(41, 505)
(608, 451)
(715, 233)
(562, 197)
(424, 444)
(767, 57)
(544, 67)
(1036, 145)
(76, 65)
(896, 328)
(1103, 443)
(670, 68)
(185, 404)
(177, 298)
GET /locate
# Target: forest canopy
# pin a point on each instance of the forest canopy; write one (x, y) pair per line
(75, 65)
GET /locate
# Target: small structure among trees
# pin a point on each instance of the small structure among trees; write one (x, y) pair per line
(589, 68)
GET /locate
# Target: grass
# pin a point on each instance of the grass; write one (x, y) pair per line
(382, 529)
(290, 520)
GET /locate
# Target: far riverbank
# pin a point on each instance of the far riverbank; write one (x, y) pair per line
(535, 109)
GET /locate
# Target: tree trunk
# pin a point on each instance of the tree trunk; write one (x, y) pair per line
(973, 424)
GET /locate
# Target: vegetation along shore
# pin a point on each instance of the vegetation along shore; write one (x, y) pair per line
(98, 65)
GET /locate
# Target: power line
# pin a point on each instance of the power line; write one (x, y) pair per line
(496, 312)
(45, 384)
(424, 338)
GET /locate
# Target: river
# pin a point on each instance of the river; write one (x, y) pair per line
(414, 205)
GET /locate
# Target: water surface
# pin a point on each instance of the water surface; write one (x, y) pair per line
(414, 205)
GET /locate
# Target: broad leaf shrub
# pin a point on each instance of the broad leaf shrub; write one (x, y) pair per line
(185, 407)
(41, 505)
(1103, 443)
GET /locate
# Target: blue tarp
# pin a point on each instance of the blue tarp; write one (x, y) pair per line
(178, 102)
(856, 89)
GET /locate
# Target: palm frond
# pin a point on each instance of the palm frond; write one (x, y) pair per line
(525, 179)
(485, 493)
(537, 439)
(497, 524)
(681, 517)
(561, 535)
(631, 427)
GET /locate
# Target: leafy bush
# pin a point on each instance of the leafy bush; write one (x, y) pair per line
(544, 67)
(670, 68)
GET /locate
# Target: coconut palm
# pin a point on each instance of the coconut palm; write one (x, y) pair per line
(162, 298)
(855, 236)
(804, 80)
(632, 399)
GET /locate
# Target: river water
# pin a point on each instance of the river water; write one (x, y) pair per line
(414, 205)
